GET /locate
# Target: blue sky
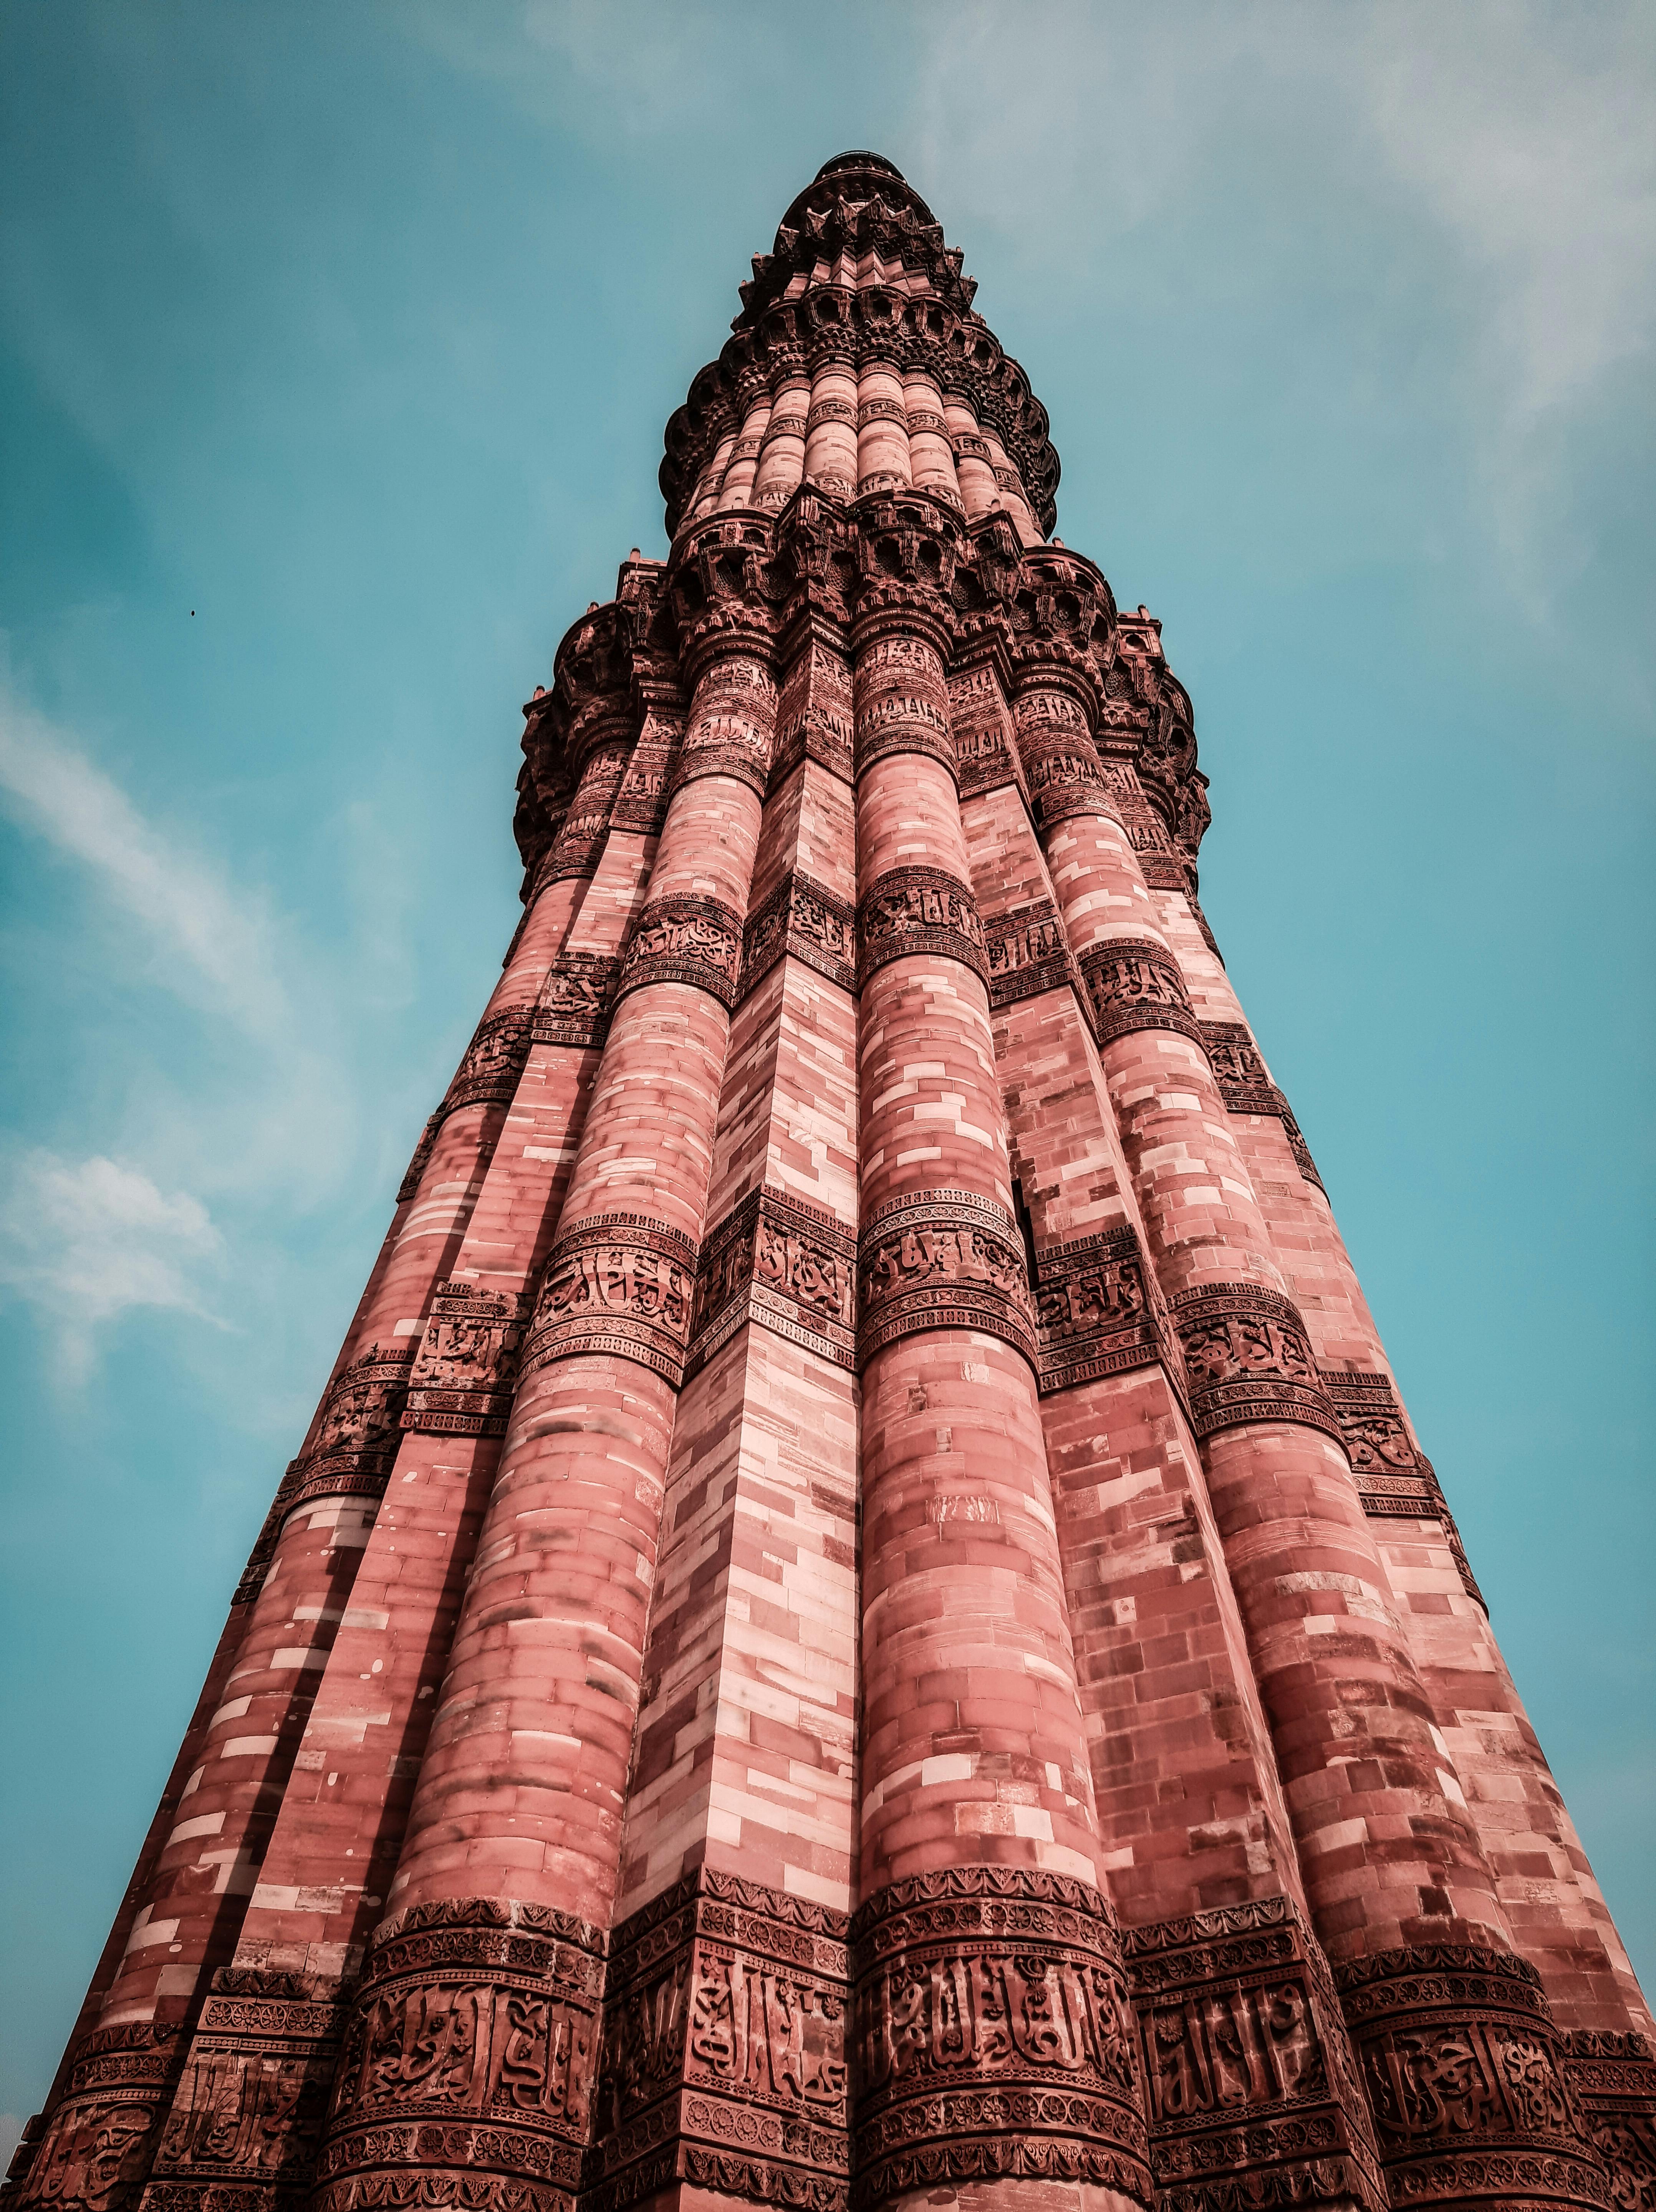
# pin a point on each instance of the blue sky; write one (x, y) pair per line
(336, 345)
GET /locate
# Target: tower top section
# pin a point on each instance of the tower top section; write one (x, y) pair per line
(859, 279)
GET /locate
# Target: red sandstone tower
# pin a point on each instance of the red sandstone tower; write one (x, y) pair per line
(861, 1619)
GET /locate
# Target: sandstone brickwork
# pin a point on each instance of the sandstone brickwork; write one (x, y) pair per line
(861, 1620)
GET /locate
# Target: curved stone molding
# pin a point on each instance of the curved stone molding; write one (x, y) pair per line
(1095, 1310)
(247, 2116)
(790, 1267)
(948, 1260)
(995, 2037)
(724, 2059)
(466, 1366)
(1246, 1088)
(409, 1184)
(577, 1000)
(918, 910)
(1253, 2096)
(1132, 983)
(621, 1284)
(1465, 2072)
(1247, 1357)
(469, 2062)
(97, 2146)
(685, 940)
(1394, 1480)
(488, 1075)
(802, 918)
(909, 709)
(1026, 952)
(1612, 2076)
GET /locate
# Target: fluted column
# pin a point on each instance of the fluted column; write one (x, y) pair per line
(976, 1811)
(520, 1797)
(1393, 1867)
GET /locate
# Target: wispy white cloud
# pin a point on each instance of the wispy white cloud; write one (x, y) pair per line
(251, 1106)
(85, 1241)
(214, 940)
(1515, 137)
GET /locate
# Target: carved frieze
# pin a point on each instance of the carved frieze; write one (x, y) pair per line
(948, 1260)
(1612, 2074)
(641, 805)
(577, 999)
(469, 2062)
(580, 841)
(98, 2144)
(466, 1366)
(789, 1267)
(918, 910)
(995, 2037)
(1248, 1358)
(685, 938)
(1095, 1310)
(409, 1187)
(985, 754)
(248, 2115)
(1134, 983)
(724, 2058)
(902, 703)
(620, 1284)
(1465, 2072)
(1246, 1088)
(1252, 2090)
(1394, 1480)
(1026, 952)
(488, 1075)
(802, 918)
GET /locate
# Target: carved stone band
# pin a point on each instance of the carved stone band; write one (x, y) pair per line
(946, 1260)
(250, 2108)
(918, 910)
(790, 1267)
(97, 2147)
(1394, 1480)
(641, 804)
(995, 2037)
(1246, 1088)
(821, 733)
(356, 1436)
(1612, 2076)
(466, 1367)
(470, 2058)
(686, 940)
(730, 743)
(1027, 953)
(1063, 781)
(1094, 1310)
(915, 720)
(620, 1284)
(1135, 984)
(801, 918)
(1251, 2082)
(1247, 1357)
(1464, 2073)
(576, 1000)
(724, 2049)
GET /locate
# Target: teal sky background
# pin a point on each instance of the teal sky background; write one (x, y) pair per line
(354, 330)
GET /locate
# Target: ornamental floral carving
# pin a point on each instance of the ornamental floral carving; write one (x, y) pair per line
(1132, 983)
(1612, 2077)
(788, 1266)
(1465, 2073)
(1026, 953)
(469, 2058)
(1095, 1311)
(685, 940)
(619, 1283)
(918, 910)
(1247, 1357)
(804, 920)
(98, 2144)
(995, 2036)
(1251, 2082)
(950, 1260)
(576, 1000)
(724, 2058)
(463, 1375)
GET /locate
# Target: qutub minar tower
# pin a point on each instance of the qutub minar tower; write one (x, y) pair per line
(861, 1620)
